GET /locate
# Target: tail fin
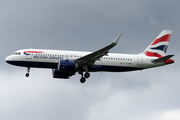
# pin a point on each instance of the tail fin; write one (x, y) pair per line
(159, 46)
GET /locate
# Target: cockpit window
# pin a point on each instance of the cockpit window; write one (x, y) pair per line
(17, 53)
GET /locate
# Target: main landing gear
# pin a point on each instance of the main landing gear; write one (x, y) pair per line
(83, 78)
(28, 70)
(86, 75)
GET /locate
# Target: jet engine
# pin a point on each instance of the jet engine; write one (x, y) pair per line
(61, 74)
(67, 65)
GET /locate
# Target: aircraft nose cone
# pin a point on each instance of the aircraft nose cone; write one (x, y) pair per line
(12, 60)
(8, 59)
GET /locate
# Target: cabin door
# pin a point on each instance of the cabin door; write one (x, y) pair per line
(139, 60)
(28, 54)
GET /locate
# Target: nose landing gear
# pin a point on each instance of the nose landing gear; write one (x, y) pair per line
(28, 70)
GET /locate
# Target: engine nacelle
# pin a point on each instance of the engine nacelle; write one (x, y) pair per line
(61, 74)
(67, 65)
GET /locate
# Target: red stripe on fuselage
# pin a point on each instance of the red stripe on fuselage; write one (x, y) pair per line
(33, 52)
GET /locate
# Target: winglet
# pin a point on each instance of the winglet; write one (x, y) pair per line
(117, 39)
(92, 57)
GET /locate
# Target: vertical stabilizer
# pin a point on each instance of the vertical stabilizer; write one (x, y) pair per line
(159, 46)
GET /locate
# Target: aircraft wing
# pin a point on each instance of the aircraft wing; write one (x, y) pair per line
(92, 57)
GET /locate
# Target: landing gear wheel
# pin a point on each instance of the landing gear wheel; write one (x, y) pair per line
(28, 70)
(82, 80)
(86, 75)
(27, 74)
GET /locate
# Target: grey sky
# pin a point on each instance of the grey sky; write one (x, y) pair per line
(88, 25)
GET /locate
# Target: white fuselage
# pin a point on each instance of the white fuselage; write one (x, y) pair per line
(42, 58)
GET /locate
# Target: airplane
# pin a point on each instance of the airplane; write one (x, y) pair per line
(65, 64)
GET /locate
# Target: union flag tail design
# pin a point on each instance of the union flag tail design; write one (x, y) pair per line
(159, 46)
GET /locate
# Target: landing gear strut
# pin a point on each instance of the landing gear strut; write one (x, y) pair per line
(28, 70)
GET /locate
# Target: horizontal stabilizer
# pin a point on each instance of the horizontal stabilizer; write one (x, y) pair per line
(163, 59)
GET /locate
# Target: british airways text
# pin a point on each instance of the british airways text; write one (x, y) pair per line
(47, 57)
